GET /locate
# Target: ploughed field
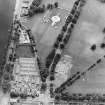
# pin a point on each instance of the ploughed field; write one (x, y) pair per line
(87, 31)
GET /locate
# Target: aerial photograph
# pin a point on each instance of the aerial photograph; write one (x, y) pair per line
(52, 52)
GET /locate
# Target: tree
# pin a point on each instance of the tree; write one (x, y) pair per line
(8, 68)
(68, 20)
(102, 1)
(64, 28)
(49, 58)
(50, 6)
(36, 2)
(30, 13)
(60, 37)
(10, 57)
(16, 37)
(62, 46)
(76, 2)
(74, 20)
(6, 87)
(102, 45)
(69, 30)
(103, 30)
(42, 9)
(14, 95)
(56, 44)
(52, 78)
(23, 96)
(43, 86)
(56, 4)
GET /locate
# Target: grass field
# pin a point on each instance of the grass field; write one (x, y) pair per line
(88, 31)
(51, 33)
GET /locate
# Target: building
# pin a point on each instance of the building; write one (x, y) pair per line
(55, 19)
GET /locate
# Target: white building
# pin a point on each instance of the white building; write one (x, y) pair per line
(24, 38)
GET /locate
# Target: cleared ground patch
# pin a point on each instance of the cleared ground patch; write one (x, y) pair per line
(24, 51)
